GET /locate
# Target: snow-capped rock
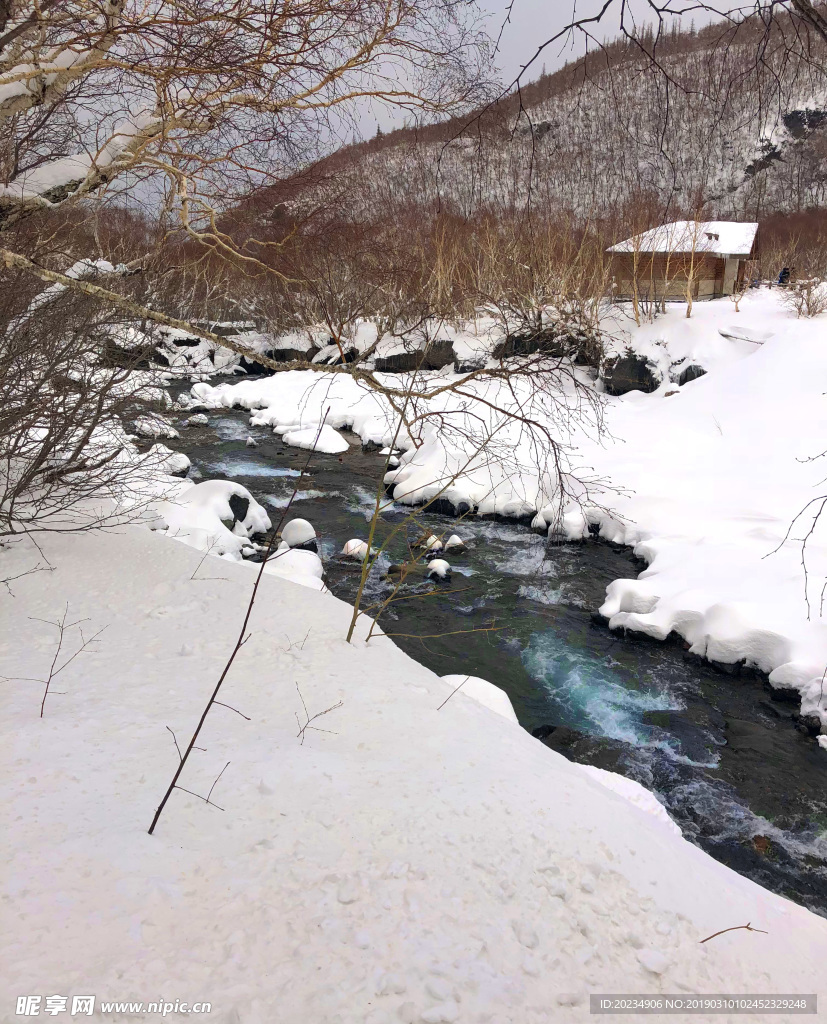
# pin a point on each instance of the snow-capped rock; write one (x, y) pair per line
(168, 461)
(298, 533)
(216, 515)
(356, 549)
(152, 424)
(439, 569)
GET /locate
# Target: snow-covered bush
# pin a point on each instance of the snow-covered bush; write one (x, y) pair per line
(62, 408)
(807, 298)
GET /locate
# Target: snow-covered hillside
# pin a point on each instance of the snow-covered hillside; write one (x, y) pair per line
(712, 124)
(409, 864)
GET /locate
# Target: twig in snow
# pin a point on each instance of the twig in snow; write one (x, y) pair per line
(303, 728)
(231, 708)
(29, 572)
(54, 669)
(175, 741)
(206, 798)
(243, 637)
(195, 575)
(451, 694)
(738, 927)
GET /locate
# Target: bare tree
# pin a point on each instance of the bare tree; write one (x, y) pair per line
(65, 459)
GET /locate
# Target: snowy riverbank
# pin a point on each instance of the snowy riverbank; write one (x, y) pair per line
(411, 864)
(703, 479)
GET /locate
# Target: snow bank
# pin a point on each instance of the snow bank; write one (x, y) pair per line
(326, 440)
(406, 864)
(717, 474)
(634, 792)
(713, 338)
(303, 397)
(218, 516)
(485, 693)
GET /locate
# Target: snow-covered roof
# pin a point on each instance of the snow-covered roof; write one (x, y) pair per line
(723, 237)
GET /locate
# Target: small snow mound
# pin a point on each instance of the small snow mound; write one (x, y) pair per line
(484, 693)
(326, 440)
(539, 524)
(439, 568)
(168, 461)
(745, 334)
(302, 567)
(153, 425)
(355, 549)
(454, 543)
(251, 443)
(298, 532)
(822, 742)
(653, 961)
(431, 543)
(198, 420)
(218, 516)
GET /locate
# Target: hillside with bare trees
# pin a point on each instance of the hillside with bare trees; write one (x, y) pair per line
(729, 120)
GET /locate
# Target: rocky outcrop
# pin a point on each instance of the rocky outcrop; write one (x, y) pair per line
(557, 341)
(629, 372)
(690, 373)
(435, 356)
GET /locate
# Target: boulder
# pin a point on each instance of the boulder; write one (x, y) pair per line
(467, 364)
(434, 356)
(239, 506)
(629, 372)
(689, 373)
(292, 355)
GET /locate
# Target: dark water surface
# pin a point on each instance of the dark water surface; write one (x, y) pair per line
(721, 754)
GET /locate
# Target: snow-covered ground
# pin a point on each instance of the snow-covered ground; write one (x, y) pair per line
(703, 479)
(407, 864)
(718, 472)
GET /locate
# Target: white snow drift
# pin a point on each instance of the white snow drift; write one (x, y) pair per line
(406, 864)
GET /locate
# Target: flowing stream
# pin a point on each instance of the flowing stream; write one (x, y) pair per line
(723, 756)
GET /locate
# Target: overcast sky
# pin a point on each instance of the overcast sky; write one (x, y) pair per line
(529, 24)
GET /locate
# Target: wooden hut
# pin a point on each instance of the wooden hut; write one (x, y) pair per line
(706, 259)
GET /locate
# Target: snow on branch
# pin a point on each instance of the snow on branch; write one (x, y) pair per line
(32, 74)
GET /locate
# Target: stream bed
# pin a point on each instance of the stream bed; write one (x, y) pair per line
(721, 754)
